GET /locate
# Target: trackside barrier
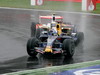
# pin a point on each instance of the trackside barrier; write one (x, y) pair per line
(88, 5)
(97, 1)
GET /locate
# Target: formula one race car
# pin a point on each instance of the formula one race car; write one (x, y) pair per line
(55, 37)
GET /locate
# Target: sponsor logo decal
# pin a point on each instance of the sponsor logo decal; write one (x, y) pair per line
(88, 72)
(93, 70)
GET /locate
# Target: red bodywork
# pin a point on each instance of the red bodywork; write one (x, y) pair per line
(50, 17)
(38, 25)
(47, 17)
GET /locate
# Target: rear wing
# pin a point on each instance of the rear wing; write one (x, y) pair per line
(53, 18)
(50, 17)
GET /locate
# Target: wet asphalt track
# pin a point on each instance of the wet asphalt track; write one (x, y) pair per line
(15, 31)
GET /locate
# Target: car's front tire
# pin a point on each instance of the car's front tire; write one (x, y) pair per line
(68, 47)
(32, 42)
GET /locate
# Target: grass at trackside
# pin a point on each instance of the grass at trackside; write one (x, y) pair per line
(15, 3)
(53, 5)
(97, 8)
(48, 5)
(47, 71)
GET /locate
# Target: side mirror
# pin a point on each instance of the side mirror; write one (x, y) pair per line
(73, 34)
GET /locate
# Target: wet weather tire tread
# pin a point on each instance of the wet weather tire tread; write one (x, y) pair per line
(67, 46)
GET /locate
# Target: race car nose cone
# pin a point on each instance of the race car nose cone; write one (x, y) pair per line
(48, 49)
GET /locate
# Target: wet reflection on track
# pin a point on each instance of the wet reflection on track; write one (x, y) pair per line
(42, 61)
(24, 63)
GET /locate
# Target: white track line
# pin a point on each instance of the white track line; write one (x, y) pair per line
(50, 11)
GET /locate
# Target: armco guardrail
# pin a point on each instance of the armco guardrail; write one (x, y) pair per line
(97, 1)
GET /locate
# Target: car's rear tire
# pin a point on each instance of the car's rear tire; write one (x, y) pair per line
(80, 37)
(32, 42)
(33, 29)
(68, 47)
(38, 32)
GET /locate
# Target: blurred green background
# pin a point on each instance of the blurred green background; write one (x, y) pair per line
(48, 5)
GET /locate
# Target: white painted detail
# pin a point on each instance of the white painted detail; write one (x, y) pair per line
(73, 34)
(91, 6)
(33, 2)
(49, 25)
(85, 72)
(39, 2)
(84, 5)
